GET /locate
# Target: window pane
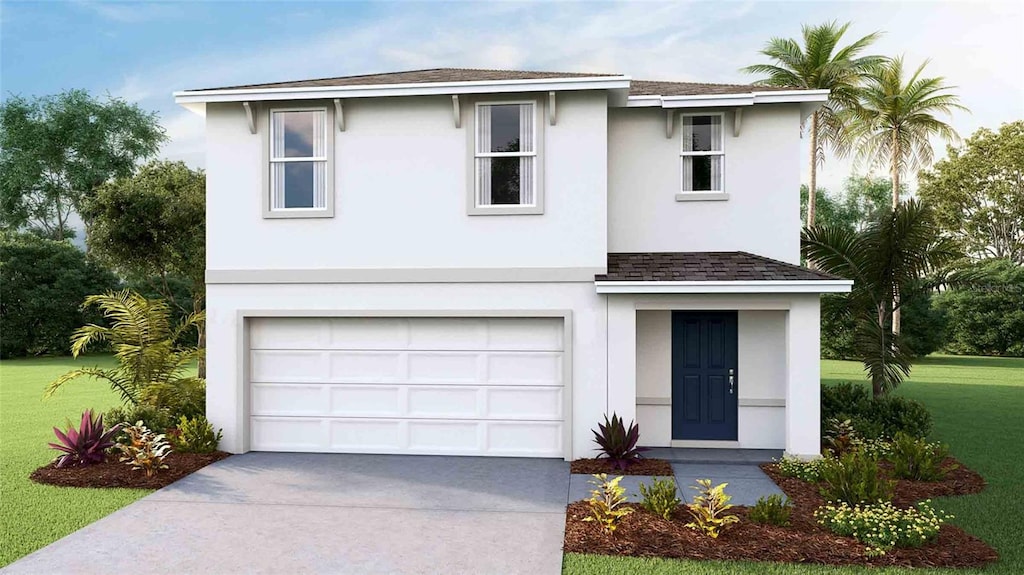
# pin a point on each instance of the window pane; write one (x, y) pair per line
(702, 133)
(299, 184)
(504, 128)
(505, 187)
(702, 173)
(298, 134)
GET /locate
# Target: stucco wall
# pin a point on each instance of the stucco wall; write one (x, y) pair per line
(400, 193)
(762, 178)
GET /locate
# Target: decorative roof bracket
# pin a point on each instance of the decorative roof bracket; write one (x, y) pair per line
(456, 111)
(249, 117)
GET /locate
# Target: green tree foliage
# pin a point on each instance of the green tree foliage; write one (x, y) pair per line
(42, 283)
(899, 251)
(55, 150)
(852, 209)
(819, 63)
(978, 193)
(986, 317)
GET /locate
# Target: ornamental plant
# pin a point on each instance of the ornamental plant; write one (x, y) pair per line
(709, 507)
(86, 445)
(883, 526)
(660, 498)
(607, 502)
(914, 458)
(194, 436)
(617, 443)
(144, 450)
(840, 437)
(772, 510)
(854, 478)
(808, 470)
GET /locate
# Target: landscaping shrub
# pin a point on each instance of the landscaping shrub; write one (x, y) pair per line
(809, 470)
(195, 436)
(914, 458)
(144, 449)
(709, 507)
(86, 445)
(883, 526)
(42, 285)
(874, 417)
(923, 330)
(854, 478)
(607, 502)
(154, 418)
(988, 317)
(617, 443)
(772, 510)
(839, 436)
(661, 497)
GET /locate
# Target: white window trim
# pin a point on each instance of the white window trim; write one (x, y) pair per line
(473, 206)
(701, 195)
(267, 200)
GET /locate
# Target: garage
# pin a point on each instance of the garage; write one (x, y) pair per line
(492, 386)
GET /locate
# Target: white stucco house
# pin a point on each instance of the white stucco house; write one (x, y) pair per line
(483, 262)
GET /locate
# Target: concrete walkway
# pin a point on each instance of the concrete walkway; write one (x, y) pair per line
(321, 513)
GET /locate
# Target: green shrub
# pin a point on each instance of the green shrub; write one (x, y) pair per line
(876, 449)
(195, 436)
(914, 458)
(42, 285)
(808, 470)
(607, 502)
(987, 318)
(837, 325)
(924, 327)
(854, 478)
(874, 418)
(843, 400)
(709, 509)
(155, 418)
(840, 437)
(883, 526)
(661, 497)
(772, 510)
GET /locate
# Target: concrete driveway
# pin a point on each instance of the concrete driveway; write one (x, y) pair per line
(321, 513)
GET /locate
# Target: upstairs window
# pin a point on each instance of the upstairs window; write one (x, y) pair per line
(299, 152)
(505, 158)
(702, 156)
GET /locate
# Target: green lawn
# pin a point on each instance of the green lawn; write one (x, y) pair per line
(977, 403)
(33, 515)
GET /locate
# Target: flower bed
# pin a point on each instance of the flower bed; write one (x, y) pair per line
(113, 473)
(658, 467)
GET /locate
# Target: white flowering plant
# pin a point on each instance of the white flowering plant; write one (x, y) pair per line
(808, 470)
(883, 526)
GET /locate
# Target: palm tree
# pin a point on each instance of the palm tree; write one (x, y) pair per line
(899, 251)
(820, 65)
(894, 123)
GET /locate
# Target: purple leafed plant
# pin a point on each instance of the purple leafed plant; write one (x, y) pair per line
(87, 445)
(617, 443)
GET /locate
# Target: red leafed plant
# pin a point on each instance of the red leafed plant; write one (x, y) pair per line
(617, 443)
(87, 445)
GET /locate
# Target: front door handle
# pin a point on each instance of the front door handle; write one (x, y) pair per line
(732, 382)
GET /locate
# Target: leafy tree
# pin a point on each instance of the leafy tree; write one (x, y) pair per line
(895, 121)
(978, 193)
(152, 365)
(42, 283)
(852, 209)
(898, 251)
(820, 64)
(986, 316)
(151, 227)
(55, 150)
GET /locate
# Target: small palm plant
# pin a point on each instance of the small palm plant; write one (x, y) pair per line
(617, 443)
(152, 366)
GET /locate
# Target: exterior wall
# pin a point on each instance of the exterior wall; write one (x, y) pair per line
(761, 377)
(587, 389)
(762, 178)
(401, 178)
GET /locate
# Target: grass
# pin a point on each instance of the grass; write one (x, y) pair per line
(977, 404)
(33, 515)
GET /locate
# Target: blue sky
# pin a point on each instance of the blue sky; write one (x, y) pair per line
(145, 51)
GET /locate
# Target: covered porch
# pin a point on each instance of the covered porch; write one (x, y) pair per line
(716, 349)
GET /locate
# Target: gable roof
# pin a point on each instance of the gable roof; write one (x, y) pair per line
(704, 267)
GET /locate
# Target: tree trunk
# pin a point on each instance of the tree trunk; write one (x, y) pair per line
(812, 187)
(895, 171)
(197, 306)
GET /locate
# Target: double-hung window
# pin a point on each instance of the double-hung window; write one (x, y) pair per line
(506, 171)
(300, 175)
(702, 155)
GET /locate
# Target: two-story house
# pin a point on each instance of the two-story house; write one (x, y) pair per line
(485, 262)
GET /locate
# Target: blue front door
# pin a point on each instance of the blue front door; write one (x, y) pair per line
(704, 375)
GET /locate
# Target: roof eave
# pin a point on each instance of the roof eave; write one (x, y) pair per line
(723, 287)
(813, 97)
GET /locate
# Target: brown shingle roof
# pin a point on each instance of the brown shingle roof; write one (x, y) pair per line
(703, 266)
(438, 75)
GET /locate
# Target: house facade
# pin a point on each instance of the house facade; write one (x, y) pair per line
(481, 262)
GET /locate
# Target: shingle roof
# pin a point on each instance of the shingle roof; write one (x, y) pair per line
(704, 266)
(436, 75)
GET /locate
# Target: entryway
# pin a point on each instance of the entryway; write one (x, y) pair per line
(704, 376)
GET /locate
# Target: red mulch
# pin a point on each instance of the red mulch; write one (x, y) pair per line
(644, 534)
(658, 467)
(113, 473)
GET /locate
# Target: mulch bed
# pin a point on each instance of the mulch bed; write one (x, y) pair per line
(113, 473)
(658, 467)
(643, 534)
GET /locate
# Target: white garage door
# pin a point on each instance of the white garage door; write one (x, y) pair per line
(466, 386)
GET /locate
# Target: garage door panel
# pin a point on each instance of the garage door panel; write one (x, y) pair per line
(448, 402)
(525, 334)
(363, 366)
(539, 403)
(288, 365)
(288, 333)
(366, 435)
(368, 333)
(287, 434)
(444, 436)
(365, 401)
(444, 367)
(525, 368)
(287, 399)
(527, 439)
